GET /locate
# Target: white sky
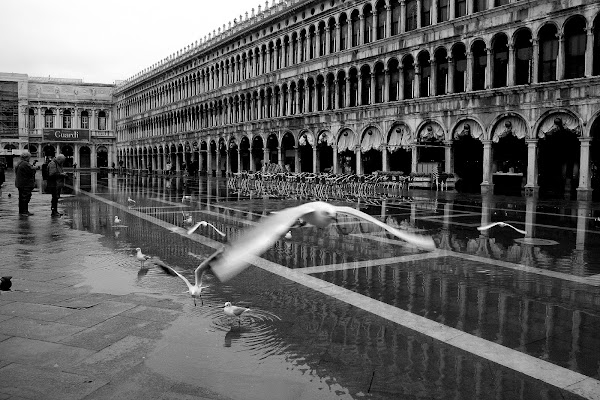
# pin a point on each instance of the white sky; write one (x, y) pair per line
(107, 40)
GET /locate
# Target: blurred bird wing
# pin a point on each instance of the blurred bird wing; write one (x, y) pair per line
(424, 242)
(522, 232)
(193, 228)
(171, 271)
(238, 310)
(205, 265)
(488, 226)
(257, 240)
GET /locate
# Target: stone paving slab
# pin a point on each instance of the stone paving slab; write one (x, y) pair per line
(152, 313)
(94, 315)
(41, 354)
(104, 334)
(36, 329)
(43, 383)
(42, 312)
(86, 301)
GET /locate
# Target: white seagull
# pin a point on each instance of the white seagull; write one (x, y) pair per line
(187, 219)
(204, 223)
(196, 289)
(117, 219)
(141, 257)
(486, 227)
(234, 311)
(258, 239)
(130, 201)
(186, 198)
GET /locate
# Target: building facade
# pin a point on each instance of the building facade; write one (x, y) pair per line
(48, 116)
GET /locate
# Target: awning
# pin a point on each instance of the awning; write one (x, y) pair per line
(347, 141)
(400, 138)
(371, 140)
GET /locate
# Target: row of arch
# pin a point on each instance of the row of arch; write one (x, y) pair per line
(538, 52)
(446, 71)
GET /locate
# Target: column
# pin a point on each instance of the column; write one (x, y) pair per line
(469, 72)
(434, 12)
(358, 157)
(535, 61)
(315, 161)
(208, 159)
(280, 156)
(417, 82)
(335, 159)
(531, 186)
(511, 65)
(487, 184)
(589, 52)
(584, 190)
(448, 159)
(361, 34)
(419, 9)
(400, 82)
(227, 163)
(386, 86)
(359, 96)
(239, 160)
(266, 155)
(296, 159)
(373, 94)
(328, 40)
(488, 69)
(384, 158)
(388, 21)
(374, 19)
(433, 80)
(413, 165)
(560, 62)
(403, 16)
(451, 69)
(452, 11)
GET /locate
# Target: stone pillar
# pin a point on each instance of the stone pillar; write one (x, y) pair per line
(469, 72)
(589, 52)
(374, 19)
(357, 155)
(417, 82)
(361, 34)
(535, 61)
(296, 159)
(414, 160)
(335, 159)
(450, 76)
(560, 62)
(531, 188)
(280, 156)
(372, 93)
(419, 9)
(388, 21)
(400, 83)
(328, 41)
(452, 13)
(487, 186)
(448, 159)
(434, 12)
(584, 189)
(511, 65)
(239, 160)
(359, 96)
(488, 69)
(386, 86)
(384, 159)
(227, 163)
(209, 167)
(433, 80)
(402, 16)
(266, 155)
(315, 161)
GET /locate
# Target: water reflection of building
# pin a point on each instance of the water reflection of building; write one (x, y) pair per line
(47, 116)
(489, 96)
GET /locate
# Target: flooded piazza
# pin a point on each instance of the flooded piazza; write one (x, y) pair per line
(342, 312)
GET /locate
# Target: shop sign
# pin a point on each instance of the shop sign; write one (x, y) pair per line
(66, 135)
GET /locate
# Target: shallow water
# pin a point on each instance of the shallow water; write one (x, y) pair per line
(298, 336)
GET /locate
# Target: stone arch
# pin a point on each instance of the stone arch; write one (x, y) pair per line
(468, 126)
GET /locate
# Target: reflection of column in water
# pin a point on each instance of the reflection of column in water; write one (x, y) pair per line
(502, 316)
(549, 322)
(413, 213)
(530, 207)
(427, 283)
(481, 308)
(524, 339)
(575, 332)
(412, 289)
(583, 210)
(462, 305)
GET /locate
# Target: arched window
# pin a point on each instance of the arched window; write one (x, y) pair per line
(365, 82)
(368, 18)
(31, 119)
(479, 65)
(381, 19)
(48, 119)
(575, 43)
(480, 5)
(394, 72)
(441, 72)
(425, 13)
(443, 11)
(500, 60)
(460, 8)
(459, 57)
(343, 32)
(411, 15)
(548, 47)
(66, 119)
(524, 55)
(355, 21)
(408, 66)
(425, 81)
(395, 17)
(379, 83)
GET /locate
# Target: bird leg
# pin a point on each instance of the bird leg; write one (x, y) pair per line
(194, 301)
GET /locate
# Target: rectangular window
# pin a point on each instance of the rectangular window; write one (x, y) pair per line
(480, 5)
(85, 122)
(395, 20)
(66, 121)
(426, 12)
(102, 123)
(355, 29)
(443, 10)
(461, 8)
(411, 15)
(49, 121)
(31, 121)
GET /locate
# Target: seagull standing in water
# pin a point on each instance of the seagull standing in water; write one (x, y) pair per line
(258, 239)
(234, 311)
(204, 223)
(196, 289)
(141, 257)
(486, 227)
(130, 201)
(117, 220)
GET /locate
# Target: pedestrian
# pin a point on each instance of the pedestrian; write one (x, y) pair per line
(2, 176)
(56, 181)
(25, 182)
(168, 168)
(112, 169)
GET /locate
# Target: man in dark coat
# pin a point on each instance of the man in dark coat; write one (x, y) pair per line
(25, 182)
(56, 181)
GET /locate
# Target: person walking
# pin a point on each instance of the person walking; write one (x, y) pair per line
(25, 182)
(2, 176)
(56, 181)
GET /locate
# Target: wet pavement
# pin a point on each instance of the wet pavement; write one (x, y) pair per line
(345, 312)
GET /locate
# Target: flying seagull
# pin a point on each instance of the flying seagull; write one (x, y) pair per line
(486, 227)
(141, 257)
(258, 239)
(234, 311)
(204, 223)
(196, 289)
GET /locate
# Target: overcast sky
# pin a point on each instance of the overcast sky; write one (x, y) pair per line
(104, 41)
